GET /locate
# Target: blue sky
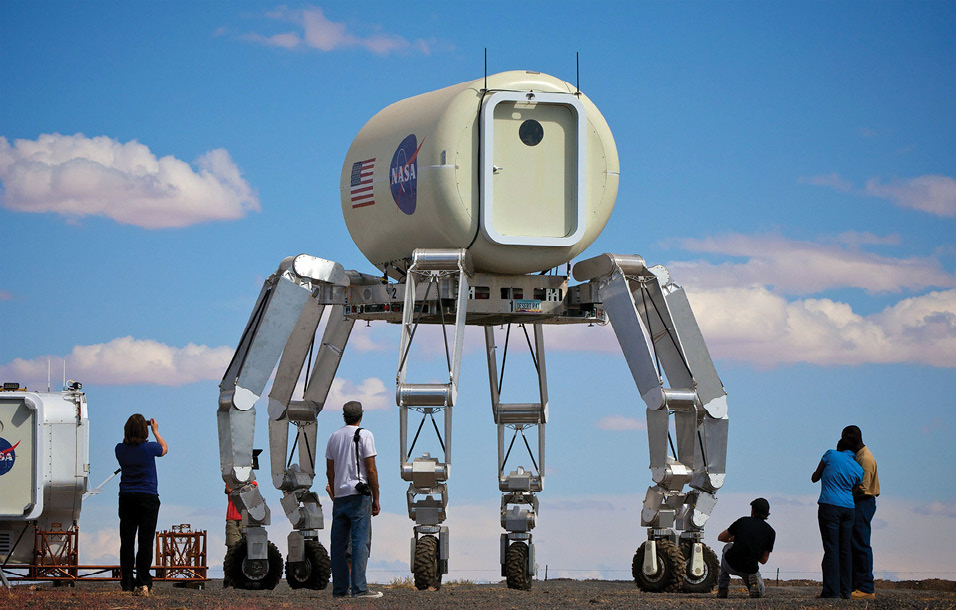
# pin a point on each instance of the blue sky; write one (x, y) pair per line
(793, 164)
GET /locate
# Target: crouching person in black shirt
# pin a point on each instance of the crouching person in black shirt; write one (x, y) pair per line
(749, 540)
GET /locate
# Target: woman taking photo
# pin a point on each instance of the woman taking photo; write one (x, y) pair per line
(138, 501)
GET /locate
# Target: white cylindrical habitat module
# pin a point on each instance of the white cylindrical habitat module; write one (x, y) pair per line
(524, 174)
(44, 465)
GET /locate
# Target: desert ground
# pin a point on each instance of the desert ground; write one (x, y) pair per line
(594, 594)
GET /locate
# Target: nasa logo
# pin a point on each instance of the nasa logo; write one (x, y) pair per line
(403, 174)
(7, 456)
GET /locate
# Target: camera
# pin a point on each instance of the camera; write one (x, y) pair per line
(363, 488)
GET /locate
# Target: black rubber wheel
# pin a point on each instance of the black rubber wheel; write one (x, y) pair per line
(427, 574)
(313, 571)
(252, 574)
(706, 582)
(670, 569)
(516, 566)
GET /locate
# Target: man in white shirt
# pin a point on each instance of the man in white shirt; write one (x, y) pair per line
(353, 481)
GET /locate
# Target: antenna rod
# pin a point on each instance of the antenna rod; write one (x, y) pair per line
(47, 374)
(486, 68)
(577, 72)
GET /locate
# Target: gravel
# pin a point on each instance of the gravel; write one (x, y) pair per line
(591, 594)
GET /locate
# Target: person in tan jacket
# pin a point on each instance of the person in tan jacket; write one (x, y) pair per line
(864, 499)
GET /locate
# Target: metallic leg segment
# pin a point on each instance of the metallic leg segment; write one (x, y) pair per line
(301, 505)
(427, 493)
(283, 322)
(659, 335)
(519, 504)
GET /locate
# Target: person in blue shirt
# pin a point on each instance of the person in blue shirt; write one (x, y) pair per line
(138, 501)
(838, 473)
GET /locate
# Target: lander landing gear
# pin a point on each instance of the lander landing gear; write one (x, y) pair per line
(242, 571)
(662, 566)
(653, 324)
(313, 571)
(659, 336)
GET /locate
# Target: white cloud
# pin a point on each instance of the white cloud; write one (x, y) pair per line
(620, 422)
(316, 31)
(930, 193)
(802, 267)
(752, 324)
(77, 176)
(100, 547)
(856, 239)
(938, 509)
(126, 361)
(370, 392)
(371, 339)
(99, 527)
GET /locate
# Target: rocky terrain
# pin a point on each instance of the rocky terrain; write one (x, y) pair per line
(592, 594)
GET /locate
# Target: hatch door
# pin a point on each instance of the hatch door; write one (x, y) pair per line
(532, 168)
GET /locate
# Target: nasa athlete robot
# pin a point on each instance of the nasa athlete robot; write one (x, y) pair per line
(463, 198)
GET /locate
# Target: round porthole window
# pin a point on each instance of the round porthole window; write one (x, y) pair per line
(531, 132)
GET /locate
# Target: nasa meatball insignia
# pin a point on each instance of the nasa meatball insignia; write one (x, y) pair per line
(7, 455)
(403, 174)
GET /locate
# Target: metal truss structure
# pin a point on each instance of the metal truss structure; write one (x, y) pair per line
(180, 558)
(684, 399)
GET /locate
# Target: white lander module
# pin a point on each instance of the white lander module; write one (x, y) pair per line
(463, 199)
(44, 466)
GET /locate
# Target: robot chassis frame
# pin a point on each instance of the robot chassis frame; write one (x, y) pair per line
(654, 325)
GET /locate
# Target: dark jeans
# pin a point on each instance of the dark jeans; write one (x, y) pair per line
(836, 531)
(351, 525)
(137, 511)
(862, 551)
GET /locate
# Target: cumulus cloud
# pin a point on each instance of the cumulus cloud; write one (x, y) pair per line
(316, 31)
(620, 422)
(100, 547)
(370, 392)
(802, 267)
(931, 193)
(368, 339)
(752, 324)
(938, 509)
(77, 176)
(744, 315)
(128, 361)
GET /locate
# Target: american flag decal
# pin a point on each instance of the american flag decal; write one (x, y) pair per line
(361, 183)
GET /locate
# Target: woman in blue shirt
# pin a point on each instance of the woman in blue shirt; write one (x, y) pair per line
(838, 472)
(138, 501)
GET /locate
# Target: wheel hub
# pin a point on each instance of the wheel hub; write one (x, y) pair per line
(255, 569)
(657, 574)
(302, 570)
